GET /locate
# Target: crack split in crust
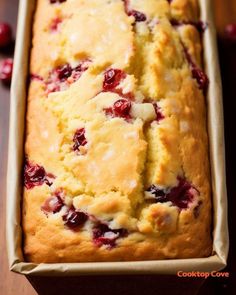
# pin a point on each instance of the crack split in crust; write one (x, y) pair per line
(118, 133)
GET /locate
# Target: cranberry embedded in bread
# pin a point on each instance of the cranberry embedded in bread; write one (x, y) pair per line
(35, 175)
(79, 139)
(181, 195)
(197, 73)
(121, 108)
(103, 235)
(139, 16)
(57, 1)
(53, 204)
(74, 219)
(61, 77)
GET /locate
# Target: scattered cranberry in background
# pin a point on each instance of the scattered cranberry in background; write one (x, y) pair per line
(230, 31)
(5, 34)
(6, 68)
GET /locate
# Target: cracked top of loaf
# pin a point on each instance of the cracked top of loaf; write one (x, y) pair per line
(116, 146)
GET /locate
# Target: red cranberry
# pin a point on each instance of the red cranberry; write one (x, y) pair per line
(121, 108)
(197, 73)
(53, 204)
(201, 78)
(57, 1)
(6, 69)
(112, 79)
(52, 87)
(35, 175)
(5, 34)
(55, 23)
(79, 139)
(159, 115)
(200, 25)
(139, 16)
(103, 235)
(59, 78)
(126, 5)
(180, 196)
(74, 219)
(64, 72)
(230, 31)
(160, 194)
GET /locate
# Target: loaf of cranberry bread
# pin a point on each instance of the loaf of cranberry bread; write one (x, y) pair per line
(116, 155)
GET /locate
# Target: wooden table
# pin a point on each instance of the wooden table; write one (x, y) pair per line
(13, 284)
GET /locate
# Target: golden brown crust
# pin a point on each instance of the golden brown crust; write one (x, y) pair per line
(109, 177)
